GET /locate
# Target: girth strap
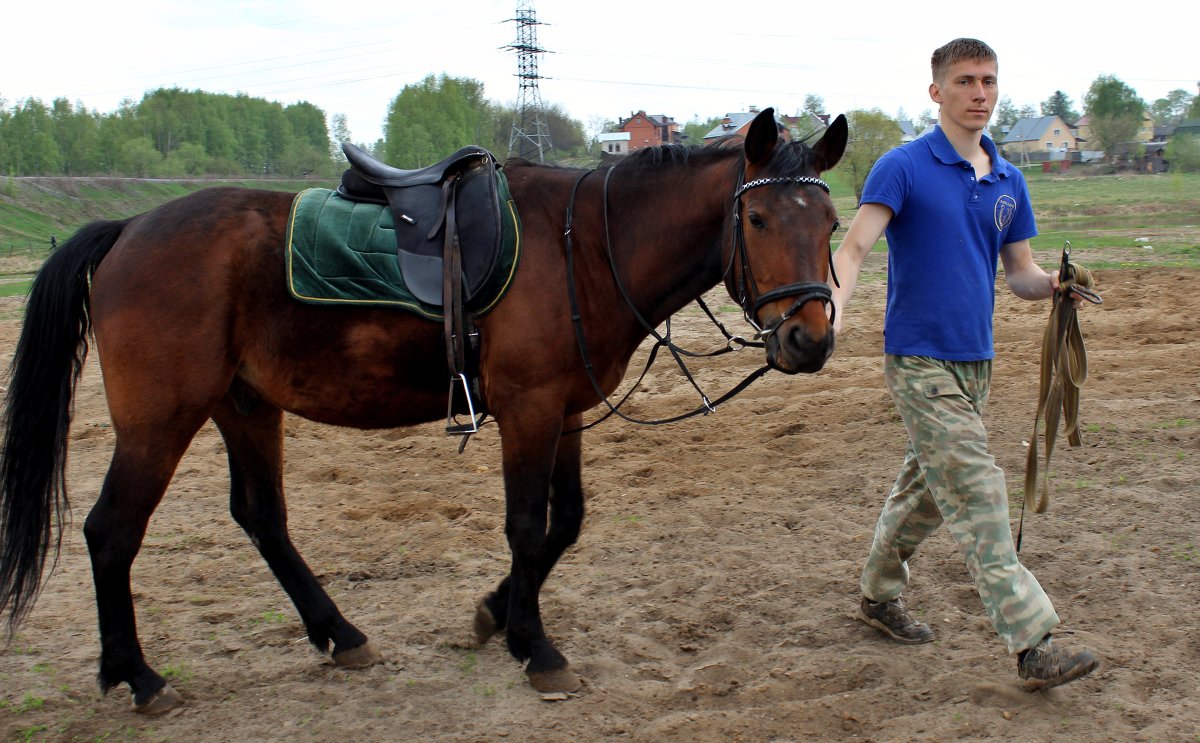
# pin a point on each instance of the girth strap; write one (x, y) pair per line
(1063, 372)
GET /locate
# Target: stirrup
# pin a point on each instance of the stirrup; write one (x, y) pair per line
(453, 426)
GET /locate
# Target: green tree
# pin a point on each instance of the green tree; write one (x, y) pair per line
(340, 133)
(435, 117)
(1060, 105)
(139, 158)
(872, 134)
(695, 129)
(30, 145)
(1183, 153)
(814, 105)
(189, 159)
(566, 134)
(1003, 118)
(1173, 108)
(1114, 111)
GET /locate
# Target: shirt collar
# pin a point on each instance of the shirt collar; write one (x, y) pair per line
(944, 151)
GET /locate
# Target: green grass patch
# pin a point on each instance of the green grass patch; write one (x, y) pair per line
(15, 288)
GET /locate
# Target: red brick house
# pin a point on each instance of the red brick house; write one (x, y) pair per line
(646, 130)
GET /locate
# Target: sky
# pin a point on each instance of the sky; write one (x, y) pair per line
(602, 61)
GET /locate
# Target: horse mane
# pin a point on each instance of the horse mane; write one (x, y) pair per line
(790, 157)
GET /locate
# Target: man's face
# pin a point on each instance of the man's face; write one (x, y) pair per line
(967, 94)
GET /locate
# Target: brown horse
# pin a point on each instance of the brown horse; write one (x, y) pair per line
(192, 321)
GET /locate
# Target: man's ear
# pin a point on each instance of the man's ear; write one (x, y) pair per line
(935, 93)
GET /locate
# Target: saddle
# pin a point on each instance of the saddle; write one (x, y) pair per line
(463, 198)
(452, 219)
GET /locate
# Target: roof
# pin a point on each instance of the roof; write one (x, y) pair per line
(732, 122)
(1026, 130)
(655, 119)
(613, 137)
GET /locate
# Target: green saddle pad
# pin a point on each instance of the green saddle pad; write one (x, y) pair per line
(344, 252)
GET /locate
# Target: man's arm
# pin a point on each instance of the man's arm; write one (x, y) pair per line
(866, 229)
(1024, 277)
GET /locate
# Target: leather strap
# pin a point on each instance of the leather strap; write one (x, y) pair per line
(1063, 372)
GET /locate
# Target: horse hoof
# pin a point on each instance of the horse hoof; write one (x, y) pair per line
(164, 700)
(561, 679)
(362, 656)
(485, 623)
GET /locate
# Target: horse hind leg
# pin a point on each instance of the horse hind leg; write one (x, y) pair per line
(115, 527)
(253, 433)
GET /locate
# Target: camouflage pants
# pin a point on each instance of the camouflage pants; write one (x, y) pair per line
(949, 475)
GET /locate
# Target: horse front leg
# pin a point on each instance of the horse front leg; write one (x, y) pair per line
(541, 469)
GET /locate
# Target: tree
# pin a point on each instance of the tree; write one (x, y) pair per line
(872, 134)
(1115, 113)
(1003, 118)
(1060, 105)
(695, 129)
(1173, 108)
(813, 104)
(1183, 153)
(435, 117)
(139, 158)
(597, 125)
(340, 133)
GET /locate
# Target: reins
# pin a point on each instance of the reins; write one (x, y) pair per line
(805, 291)
(1063, 372)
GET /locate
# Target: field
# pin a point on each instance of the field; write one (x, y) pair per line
(711, 594)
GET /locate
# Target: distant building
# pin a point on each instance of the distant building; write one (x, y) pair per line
(613, 144)
(646, 130)
(1038, 139)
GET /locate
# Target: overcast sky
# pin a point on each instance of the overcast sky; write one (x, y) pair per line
(603, 60)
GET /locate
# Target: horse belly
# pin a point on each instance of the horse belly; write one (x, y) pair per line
(381, 371)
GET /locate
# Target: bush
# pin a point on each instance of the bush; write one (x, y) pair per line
(1183, 153)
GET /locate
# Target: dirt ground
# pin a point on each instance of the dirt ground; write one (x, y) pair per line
(711, 594)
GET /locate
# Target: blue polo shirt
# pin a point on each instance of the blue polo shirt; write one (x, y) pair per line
(944, 240)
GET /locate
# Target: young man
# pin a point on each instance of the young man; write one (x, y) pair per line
(950, 206)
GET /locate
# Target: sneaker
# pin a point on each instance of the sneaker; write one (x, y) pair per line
(1046, 665)
(893, 620)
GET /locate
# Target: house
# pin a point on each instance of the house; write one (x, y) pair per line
(908, 132)
(804, 124)
(799, 126)
(645, 130)
(613, 144)
(1038, 139)
(733, 123)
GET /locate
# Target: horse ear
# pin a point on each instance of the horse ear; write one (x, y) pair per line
(832, 145)
(762, 138)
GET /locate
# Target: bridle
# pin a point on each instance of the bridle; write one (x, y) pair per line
(803, 291)
(746, 287)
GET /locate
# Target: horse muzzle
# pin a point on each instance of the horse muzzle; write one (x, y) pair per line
(800, 340)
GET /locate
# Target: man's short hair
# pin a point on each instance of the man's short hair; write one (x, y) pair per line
(959, 50)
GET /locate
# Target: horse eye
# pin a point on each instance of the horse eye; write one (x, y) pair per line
(755, 220)
(836, 226)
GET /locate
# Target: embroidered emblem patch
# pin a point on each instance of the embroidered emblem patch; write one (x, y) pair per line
(1006, 207)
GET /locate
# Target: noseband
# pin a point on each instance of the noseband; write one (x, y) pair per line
(747, 288)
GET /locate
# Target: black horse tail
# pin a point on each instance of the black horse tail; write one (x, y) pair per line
(37, 414)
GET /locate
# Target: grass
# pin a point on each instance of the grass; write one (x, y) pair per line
(1111, 221)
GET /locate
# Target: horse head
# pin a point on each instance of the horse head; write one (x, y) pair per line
(779, 259)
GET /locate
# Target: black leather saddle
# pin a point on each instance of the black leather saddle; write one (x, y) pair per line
(456, 203)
